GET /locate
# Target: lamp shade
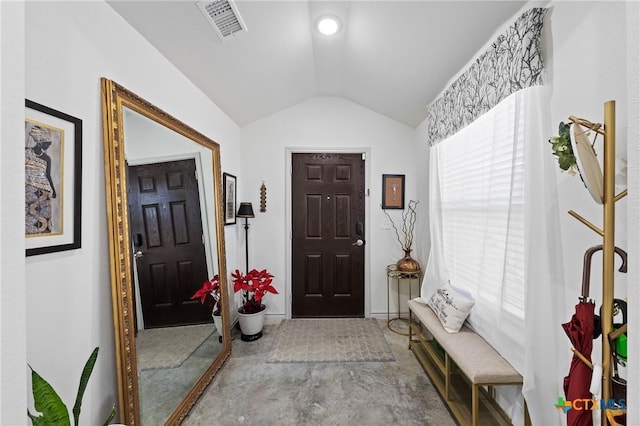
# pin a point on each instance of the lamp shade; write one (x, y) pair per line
(245, 210)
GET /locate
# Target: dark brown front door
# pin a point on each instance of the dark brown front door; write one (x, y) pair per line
(166, 228)
(328, 218)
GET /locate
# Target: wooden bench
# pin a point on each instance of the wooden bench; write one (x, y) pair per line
(443, 355)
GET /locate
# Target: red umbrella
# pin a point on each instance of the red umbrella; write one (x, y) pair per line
(580, 333)
(578, 381)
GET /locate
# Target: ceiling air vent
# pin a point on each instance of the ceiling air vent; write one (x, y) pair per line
(224, 17)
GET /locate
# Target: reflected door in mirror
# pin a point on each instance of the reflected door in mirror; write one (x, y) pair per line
(164, 207)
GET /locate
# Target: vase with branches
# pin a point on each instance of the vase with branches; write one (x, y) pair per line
(405, 237)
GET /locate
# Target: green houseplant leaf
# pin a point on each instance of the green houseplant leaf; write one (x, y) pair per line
(84, 379)
(48, 402)
(112, 414)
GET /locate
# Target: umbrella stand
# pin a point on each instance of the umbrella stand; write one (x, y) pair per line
(607, 232)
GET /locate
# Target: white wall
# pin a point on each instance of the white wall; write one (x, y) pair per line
(322, 124)
(69, 46)
(581, 82)
(13, 347)
(421, 157)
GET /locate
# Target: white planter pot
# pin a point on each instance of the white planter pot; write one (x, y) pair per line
(251, 325)
(217, 320)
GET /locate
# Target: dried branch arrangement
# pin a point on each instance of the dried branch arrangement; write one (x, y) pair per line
(408, 225)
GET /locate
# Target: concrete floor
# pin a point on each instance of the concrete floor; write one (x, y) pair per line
(249, 391)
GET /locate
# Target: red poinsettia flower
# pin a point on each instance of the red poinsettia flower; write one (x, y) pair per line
(210, 288)
(254, 285)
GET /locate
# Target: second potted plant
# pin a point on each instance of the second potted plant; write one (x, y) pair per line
(254, 286)
(212, 288)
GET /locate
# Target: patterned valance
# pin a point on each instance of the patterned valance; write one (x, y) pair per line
(512, 62)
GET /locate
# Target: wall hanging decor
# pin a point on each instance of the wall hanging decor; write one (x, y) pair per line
(53, 180)
(393, 192)
(263, 197)
(229, 198)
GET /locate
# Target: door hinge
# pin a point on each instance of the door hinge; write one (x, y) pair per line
(195, 174)
(364, 156)
(290, 235)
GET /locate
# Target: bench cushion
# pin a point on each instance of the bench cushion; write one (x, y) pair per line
(479, 362)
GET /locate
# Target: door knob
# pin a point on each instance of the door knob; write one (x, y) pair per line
(358, 243)
(138, 254)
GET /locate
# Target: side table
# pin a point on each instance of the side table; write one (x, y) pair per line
(394, 274)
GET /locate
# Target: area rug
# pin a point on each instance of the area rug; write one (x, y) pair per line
(169, 347)
(329, 340)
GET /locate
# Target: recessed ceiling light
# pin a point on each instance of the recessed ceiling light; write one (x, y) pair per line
(328, 25)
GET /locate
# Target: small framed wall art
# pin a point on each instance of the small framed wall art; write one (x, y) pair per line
(229, 198)
(393, 192)
(53, 180)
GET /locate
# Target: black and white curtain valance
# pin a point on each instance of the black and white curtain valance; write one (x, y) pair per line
(513, 62)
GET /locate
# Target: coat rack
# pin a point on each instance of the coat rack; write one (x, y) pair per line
(608, 131)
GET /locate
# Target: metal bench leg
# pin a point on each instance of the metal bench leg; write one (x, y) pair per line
(475, 405)
(410, 329)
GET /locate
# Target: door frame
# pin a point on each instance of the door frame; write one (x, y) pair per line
(289, 151)
(204, 218)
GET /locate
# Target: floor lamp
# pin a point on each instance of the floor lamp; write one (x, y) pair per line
(246, 211)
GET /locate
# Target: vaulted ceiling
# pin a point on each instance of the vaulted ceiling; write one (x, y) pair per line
(393, 57)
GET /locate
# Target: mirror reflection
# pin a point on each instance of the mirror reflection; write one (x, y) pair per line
(166, 240)
(169, 228)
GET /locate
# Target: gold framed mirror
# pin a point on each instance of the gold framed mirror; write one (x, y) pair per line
(167, 346)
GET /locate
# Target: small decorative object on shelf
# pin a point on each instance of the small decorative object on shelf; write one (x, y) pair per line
(407, 263)
(263, 197)
(254, 286)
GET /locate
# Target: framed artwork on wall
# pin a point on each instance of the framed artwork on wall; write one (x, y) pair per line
(393, 192)
(229, 198)
(53, 180)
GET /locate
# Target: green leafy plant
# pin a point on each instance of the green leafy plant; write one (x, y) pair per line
(47, 401)
(561, 146)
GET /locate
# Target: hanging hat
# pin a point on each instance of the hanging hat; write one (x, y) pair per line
(588, 165)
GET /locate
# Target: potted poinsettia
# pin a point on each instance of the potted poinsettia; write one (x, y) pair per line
(210, 293)
(254, 286)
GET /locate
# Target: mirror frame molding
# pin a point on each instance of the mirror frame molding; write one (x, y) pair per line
(114, 98)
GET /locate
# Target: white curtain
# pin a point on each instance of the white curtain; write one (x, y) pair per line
(546, 343)
(495, 232)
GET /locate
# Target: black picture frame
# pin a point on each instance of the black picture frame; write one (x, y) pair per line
(53, 180)
(229, 198)
(393, 192)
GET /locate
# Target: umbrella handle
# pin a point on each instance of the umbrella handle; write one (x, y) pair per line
(586, 266)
